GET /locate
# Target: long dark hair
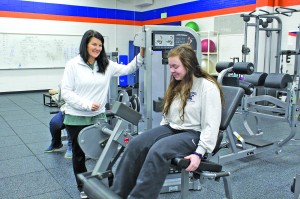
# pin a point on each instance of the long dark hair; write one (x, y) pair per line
(189, 60)
(102, 60)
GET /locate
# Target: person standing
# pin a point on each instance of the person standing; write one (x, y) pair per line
(85, 86)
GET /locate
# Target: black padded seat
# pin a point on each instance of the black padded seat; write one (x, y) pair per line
(278, 80)
(256, 78)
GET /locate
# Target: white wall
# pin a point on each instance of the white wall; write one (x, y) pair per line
(160, 4)
(120, 4)
(117, 36)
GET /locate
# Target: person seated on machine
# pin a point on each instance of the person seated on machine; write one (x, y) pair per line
(56, 125)
(189, 128)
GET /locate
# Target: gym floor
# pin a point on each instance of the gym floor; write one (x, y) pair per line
(27, 172)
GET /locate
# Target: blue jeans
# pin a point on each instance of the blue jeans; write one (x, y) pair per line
(56, 125)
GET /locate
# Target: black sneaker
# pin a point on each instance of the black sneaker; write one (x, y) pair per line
(51, 149)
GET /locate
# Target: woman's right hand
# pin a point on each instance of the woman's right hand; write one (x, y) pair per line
(195, 162)
(95, 106)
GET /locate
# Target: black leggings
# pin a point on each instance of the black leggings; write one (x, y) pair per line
(78, 158)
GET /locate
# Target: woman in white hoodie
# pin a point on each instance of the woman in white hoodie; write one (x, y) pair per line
(85, 87)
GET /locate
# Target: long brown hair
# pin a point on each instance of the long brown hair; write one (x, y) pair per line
(188, 58)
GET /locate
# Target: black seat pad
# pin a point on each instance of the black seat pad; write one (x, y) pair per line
(205, 165)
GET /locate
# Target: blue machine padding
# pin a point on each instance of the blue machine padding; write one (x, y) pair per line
(133, 51)
(125, 80)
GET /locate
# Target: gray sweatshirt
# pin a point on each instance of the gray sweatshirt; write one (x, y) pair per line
(202, 113)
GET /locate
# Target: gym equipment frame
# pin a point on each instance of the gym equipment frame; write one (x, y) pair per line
(161, 38)
(261, 24)
(287, 111)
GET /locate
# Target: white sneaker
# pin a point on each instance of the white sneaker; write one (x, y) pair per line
(83, 195)
(69, 153)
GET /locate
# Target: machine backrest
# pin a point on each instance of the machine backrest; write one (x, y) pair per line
(232, 98)
(126, 113)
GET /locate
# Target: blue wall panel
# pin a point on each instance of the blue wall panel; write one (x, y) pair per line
(93, 12)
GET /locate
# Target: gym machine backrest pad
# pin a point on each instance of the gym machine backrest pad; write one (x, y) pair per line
(223, 65)
(271, 80)
(256, 78)
(245, 68)
(126, 113)
(237, 67)
(277, 80)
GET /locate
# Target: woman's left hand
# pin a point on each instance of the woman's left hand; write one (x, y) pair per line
(195, 162)
(142, 51)
(95, 106)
